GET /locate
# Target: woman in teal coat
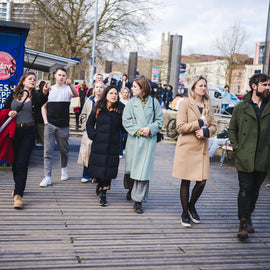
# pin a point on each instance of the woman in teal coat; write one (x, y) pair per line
(139, 122)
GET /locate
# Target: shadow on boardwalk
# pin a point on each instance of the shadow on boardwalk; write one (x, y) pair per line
(63, 226)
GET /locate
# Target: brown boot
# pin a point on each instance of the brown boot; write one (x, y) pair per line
(250, 227)
(242, 233)
(18, 204)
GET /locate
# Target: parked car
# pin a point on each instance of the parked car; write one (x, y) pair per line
(216, 98)
(215, 94)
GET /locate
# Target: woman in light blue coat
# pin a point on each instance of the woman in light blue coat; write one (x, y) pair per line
(142, 119)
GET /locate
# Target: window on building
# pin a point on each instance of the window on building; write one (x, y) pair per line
(238, 89)
(217, 81)
(239, 75)
(194, 70)
(218, 69)
(257, 71)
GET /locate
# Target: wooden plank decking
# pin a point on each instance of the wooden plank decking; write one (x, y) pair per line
(63, 226)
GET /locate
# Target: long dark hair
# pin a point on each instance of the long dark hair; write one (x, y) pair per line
(19, 87)
(103, 101)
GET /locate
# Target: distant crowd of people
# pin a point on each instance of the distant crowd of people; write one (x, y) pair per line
(123, 118)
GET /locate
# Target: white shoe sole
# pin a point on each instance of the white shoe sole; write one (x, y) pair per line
(45, 185)
(185, 224)
(193, 220)
(84, 180)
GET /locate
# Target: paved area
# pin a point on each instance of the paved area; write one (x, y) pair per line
(63, 226)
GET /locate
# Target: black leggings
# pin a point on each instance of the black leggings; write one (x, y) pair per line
(195, 195)
(103, 184)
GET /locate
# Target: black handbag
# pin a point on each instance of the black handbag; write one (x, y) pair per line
(160, 136)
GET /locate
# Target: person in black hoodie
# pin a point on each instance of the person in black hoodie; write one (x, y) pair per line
(103, 126)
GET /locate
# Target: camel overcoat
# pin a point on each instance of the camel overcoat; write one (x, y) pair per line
(85, 147)
(191, 160)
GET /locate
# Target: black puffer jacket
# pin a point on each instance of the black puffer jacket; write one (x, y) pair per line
(104, 132)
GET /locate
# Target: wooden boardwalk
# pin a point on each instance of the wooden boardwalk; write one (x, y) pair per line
(63, 226)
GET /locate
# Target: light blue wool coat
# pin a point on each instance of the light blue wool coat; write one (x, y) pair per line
(140, 151)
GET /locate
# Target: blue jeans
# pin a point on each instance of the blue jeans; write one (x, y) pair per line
(85, 173)
(123, 140)
(23, 145)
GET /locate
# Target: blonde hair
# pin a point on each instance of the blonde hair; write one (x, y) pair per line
(81, 83)
(123, 89)
(98, 82)
(205, 99)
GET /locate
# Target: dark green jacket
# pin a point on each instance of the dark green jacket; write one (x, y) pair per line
(251, 153)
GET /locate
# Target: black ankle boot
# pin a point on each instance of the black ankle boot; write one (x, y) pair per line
(243, 232)
(103, 199)
(138, 207)
(128, 196)
(250, 227)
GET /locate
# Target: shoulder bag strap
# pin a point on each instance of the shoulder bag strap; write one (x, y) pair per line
(154, 110)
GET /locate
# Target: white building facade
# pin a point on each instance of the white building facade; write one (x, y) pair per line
(214, 71)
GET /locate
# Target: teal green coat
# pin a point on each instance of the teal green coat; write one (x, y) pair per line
(243, 134)
(140, 151)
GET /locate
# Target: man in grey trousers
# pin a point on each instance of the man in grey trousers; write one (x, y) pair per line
(56, 120)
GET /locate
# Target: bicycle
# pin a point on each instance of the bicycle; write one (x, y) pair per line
(171, 128)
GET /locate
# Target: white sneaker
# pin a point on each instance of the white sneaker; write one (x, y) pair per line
(45, 182)
(64, 174)
(85, 180)
(39, 144)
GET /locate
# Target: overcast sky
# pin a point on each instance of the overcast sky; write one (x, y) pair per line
(201, 22)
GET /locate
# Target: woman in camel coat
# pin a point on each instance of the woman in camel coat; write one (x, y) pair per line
(195, 123)
(85, 147)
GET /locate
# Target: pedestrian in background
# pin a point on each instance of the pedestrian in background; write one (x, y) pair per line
(25, 133)
(124, 83)
(82, 90)
(99, 78)
(195, 123)
(226, 99)
(160, 93)
(168, 96)
(103, 127)
(39, 119)
(249, 135)
(85, 147)
(142, 127)
(125, 95)
(110, 81)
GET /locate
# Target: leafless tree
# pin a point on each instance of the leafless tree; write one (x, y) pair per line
(231, 43)
(70, 24)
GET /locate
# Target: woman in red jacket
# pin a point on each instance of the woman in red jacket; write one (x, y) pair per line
(82, 90)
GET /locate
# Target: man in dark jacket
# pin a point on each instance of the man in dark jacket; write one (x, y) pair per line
(168, 96)
(110, 81)
(249, 135)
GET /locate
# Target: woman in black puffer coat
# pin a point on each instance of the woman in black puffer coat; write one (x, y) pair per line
(103, 127)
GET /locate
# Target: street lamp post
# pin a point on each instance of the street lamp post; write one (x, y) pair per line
(92, 61)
